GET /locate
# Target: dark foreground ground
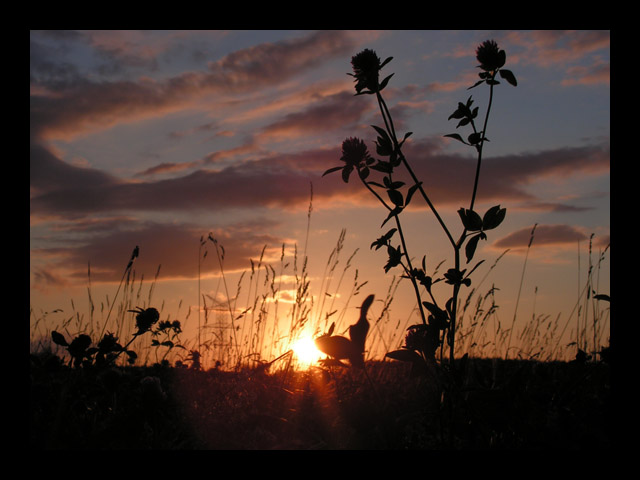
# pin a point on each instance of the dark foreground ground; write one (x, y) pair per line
(486, 405)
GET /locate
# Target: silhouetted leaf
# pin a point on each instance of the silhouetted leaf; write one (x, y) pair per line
(382, 166)
(59, 339)
(470, 219)
(463, 122)
(456, 137)
(346, 171)
(395, 255)
(384, 82)
(475, 138)
(477, 83)
(434, 310)
(509, 77)
(392, 214)
(406, 135)
(602, 296)
(405, 355)
(410, 193)
(331, 328)
(493, 217)
(396, 197)
(470, 248)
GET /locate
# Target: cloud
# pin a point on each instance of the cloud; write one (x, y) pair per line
(282, 181)
(568, 50)
(331, 112)
(172, 247)
(544, 235)
(598, 73)
(80, 105)
(448, 178)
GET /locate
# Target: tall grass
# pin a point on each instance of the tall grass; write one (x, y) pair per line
(272, 307)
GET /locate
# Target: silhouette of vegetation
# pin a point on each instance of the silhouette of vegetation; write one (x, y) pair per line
(228, 390)
(438, 324)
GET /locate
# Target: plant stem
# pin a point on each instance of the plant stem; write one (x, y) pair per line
(385, 113)
(404, 249)
(481, 145)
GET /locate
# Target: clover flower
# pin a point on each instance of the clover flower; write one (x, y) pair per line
(355, 155)
(490, 57)
(145, 319)
(366, 68)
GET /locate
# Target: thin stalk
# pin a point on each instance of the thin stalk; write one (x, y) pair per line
(409, 269)
(389, 124)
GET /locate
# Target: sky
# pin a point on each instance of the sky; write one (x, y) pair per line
(156, 139)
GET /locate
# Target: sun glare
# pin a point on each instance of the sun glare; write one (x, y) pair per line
(306, 352)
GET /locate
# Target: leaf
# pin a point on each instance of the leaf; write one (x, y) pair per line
(405, 355)
(463, 122)
(59, 339)
(392, 214)
(602, 296)
(475, 138)
(346, 171)
(456, 137)
(406, 135)
(387, 60)
(470, 219)
(384, 82)
(395, 255)
(434, 310)
(470, 249)
(334, 169)
(396, 197)
(382, 166)
(381, 131)
(410, 193)
(493, 217)
(509, 77)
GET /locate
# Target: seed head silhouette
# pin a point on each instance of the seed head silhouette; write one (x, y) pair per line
(351, 348)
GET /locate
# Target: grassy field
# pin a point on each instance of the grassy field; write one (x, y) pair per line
(486, 404)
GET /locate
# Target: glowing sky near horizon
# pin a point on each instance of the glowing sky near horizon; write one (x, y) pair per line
(156, 138)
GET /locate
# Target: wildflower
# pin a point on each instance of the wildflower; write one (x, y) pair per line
(354, 152)
(366, 68)
(145, 319)
(490, 57)
(355, 155)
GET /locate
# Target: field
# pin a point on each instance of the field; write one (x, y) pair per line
(489, 404)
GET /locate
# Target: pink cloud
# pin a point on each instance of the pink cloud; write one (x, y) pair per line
(282, 181)
(173, 248)
(546, 235)
(83, 105)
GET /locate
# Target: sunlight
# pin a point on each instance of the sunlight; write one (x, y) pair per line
(306, 352)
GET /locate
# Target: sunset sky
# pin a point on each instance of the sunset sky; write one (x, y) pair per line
(157, 138)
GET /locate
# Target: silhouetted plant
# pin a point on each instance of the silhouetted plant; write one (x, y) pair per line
(438, 323)
(352, 348)
(108, 349)
(170, 331)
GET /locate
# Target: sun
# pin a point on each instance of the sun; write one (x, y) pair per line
(306, 352)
